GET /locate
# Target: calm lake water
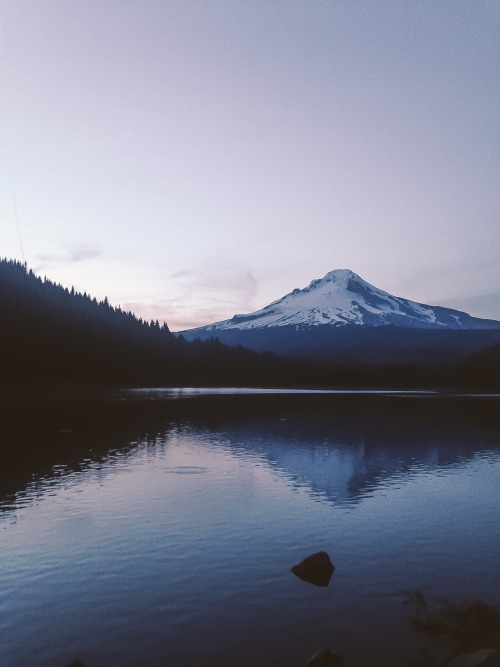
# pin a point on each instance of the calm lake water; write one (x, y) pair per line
(159, 527)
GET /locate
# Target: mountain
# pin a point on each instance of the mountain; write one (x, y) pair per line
(343, 316)
(342, 298)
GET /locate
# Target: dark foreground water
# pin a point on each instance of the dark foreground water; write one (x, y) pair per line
(159, 528)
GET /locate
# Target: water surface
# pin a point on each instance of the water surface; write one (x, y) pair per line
(154, 531)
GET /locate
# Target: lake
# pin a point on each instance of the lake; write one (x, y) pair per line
(159, 527)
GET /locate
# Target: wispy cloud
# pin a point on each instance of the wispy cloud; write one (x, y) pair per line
(72, 254)
(213, 291)
(195, 296)
(228, 283)
(79, 253)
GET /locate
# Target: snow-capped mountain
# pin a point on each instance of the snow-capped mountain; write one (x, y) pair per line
(342, 298)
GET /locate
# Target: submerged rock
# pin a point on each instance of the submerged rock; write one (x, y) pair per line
(469, 624)
(465, 634)
(324, 658)
(316, 569)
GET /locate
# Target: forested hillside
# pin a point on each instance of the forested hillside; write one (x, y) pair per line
(48, 332)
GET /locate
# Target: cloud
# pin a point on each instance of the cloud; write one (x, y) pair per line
(79, 253)
(225, 282)
(222, 282)
(76, 252)
(215, 290)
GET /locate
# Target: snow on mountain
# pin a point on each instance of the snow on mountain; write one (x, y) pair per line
(343, 298)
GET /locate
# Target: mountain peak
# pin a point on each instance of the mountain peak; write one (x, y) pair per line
(341, 277)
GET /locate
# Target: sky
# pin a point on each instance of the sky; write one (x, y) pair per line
(194, 159)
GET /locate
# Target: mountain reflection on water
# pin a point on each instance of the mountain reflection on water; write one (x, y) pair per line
(339, 446)
(344, 448)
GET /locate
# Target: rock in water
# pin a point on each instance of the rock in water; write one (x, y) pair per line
(316, 569)
(325, 658)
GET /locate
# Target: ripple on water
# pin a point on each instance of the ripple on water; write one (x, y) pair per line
(186, 470)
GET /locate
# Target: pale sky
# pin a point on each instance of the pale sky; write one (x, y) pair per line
(193, 159)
